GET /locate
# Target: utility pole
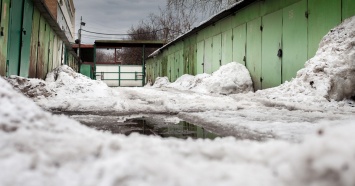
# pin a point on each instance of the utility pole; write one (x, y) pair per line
(79, 35)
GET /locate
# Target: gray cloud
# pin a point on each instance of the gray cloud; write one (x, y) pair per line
(112, 16)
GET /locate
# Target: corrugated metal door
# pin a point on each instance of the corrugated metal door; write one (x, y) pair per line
(348, 8)
(50, 50)
(187, 61)
(253, 60)
(200, 57)
(172, 67)
(41, 50)
(227, 47)
(154, 69)
(186, 55)
(193, 59)
(46, 50)
(159, 68)
(34, 44)
(239, 42)
(4, 23)
(322, 17)
(177, 65)
(208, 59)
(165, 68)
(294, 33)
(217, 52)
(26, 38)
(55, 50)
(271, 44)
(168, 72)
(181, 62)
(14, 41)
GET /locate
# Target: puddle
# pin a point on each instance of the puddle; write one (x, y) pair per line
(161, 125)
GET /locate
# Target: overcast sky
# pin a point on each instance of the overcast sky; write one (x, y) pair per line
(112, 16)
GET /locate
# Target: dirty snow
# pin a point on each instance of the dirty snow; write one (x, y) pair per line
(41, 149)
(232, 78)
(306, 128)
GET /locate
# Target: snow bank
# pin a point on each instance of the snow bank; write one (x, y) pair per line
(65, 81)
(161, 81)
(330, 74)
(32, 88)
(62, 80)
(231, 78)
(41, 149)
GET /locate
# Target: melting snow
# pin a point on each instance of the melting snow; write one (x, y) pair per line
(41, 149)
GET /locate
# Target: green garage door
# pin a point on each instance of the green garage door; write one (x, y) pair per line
(14, 41)
(239, 42)
(253, 60)
(348, 8)
(271, 44)
(217, 52)
(172, 67)
(190, 58)
(200, 57)
(322, 17)
(208, 56)
(179, 63)
(176, 64)
(227, 47)
(26, 38)
(294, 33)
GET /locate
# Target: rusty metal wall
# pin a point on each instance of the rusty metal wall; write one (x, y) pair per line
(34, 44)
(4, 23)
(50, 50)
(42, 50)
(41, 56)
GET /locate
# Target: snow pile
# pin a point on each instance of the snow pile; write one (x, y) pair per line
(18, 113)
(41, 149)
(330, 74)
(161, 81)
(32, 88)
(231, 78)
(327, 159)
(65, 81)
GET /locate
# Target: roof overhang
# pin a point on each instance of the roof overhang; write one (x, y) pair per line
(43, 9)
(212, 20)
(82, 46)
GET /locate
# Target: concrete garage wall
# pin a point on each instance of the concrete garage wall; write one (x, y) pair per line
(253, 33)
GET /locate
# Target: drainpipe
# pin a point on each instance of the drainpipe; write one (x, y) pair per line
(79, 48)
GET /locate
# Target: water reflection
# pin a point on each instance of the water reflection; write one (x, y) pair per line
(149, 126)
(181, 130)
